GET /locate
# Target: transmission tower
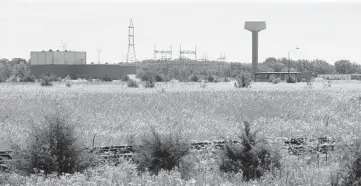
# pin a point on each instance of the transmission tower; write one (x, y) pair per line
(222, 57)
(183, 53)
(131, 50)
(64, 45)
(221, 60)
(166, 55)
(98, 50)
(204, 59)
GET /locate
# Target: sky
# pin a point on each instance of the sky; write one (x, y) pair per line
(327, 30)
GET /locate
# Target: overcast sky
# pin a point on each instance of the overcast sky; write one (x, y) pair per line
(329, 30)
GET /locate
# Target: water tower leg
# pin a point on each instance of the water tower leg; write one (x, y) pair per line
(254, 54)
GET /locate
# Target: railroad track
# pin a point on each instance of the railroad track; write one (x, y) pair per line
(295, 146)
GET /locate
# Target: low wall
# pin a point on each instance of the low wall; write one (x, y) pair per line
(84, 71)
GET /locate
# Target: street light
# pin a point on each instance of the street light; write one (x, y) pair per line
(289, 61)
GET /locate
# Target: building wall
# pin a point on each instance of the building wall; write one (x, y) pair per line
(58, 57)
(84, 71)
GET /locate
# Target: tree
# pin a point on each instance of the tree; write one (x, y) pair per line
(264, 68)
(321, 67)
(303, 65)
(286, 69)
(274, 64)
(343, 66)
(5, 70)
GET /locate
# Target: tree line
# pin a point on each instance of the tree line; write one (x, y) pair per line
(18, 67)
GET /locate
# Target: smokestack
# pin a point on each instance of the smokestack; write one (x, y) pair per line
(255, 27)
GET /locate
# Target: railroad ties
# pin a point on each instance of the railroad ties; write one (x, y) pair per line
(4, 155)
(299, 146)
(114, 154)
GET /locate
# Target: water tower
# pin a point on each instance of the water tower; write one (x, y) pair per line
(255, 27)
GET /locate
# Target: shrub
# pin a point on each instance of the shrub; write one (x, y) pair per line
(51, 77)
(350, 171)
(145, 77)
(158, 152)
(203, 84)
(244, 80)
(272, 78)
(276, 81)
(290, 79)
(327, 84)
(27, 78)
(226, 79)
(107, 79)
(158, 78)
(12, 78)
(194, 78)
(52, 148)
(253, 157)
(132, 83)
(68, 84)
(67, 78)
(149, 83)
(46, 81)
(309, 83)
(125, 78)
(210, 78)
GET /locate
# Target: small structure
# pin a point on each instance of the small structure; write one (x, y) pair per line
(264, 76)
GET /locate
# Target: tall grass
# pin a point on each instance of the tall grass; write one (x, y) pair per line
(112, 114)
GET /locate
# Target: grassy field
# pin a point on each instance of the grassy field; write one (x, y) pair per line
(112, 112)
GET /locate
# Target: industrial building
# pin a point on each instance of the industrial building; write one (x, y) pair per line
(58, 57)
(73, 63)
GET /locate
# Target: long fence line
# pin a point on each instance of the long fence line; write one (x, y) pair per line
(295, 146)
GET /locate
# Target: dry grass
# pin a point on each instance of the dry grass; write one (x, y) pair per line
(112, 112)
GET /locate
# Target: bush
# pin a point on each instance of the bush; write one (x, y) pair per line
(125, 78)
(210, 78)
(107, 79)
(309, 82)
(46, 81)
(290, 79)
(194, 78)
(272, 78)
(149, 83)
(226, 79)
(67, 78)
(276, 81)
(68, 84)
(244, 80)
(52, 148)
(145, 77)
(158, 152)
(253, 157)
(27, 78)
(132, 83)
(350, 171)
(158, 78)
(51, 77)
(13, 79)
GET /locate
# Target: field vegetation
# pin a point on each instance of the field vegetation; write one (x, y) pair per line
(111, 113)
